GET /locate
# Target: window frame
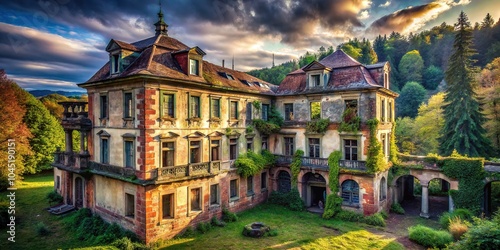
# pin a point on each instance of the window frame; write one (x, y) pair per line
(172, 206)
(103, 107)
(212, 108)
(351, 194)
(265, 112)
(232, 109)
(219, 151)
(288, 146)
(288, 111)
(217, 188)
(382, 189)
(318, 150)
(200, 151)
(236, 195)
(264, 141)
(200, 201)
(196, 66)
(382, 110)
(164, 114)
(128, 105)
(129, 209)
(125, 153)
(191, 108)
(104, 154)
(358, 146)
(311, 110)
(250, 144)
(163, 149)
(231, 144)
(313, 78)
(263, 180)
(250, 185)
(115, 63)
(347, 104)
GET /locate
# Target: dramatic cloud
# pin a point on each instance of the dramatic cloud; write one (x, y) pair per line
(412, 19)
(386, 4)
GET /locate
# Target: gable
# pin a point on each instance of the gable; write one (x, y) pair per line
(315, 65)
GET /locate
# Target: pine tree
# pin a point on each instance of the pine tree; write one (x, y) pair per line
(487, 22)
(463, 129)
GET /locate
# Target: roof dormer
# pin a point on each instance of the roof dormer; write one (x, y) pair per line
(190, 60)
(121, 55)
(317, 75)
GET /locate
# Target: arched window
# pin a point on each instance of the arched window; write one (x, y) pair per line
(350, 193)
(383, 189)
(284, 182)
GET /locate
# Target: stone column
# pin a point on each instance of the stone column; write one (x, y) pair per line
(451, 206)
(82, 142)
(69, 140)
(394, 193)
(425, 201)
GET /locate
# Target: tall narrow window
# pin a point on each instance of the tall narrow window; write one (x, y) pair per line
(389, 112)
(104, 106)
(383, 189)
(250, 184)
(265, 112)
(194, 67)
(129, 154)
(194, 109)
(167, 154)
(168, 109)
(233, 189)
(196, 199)
(315, 110)
(263, 180)
(214, 194)
(352, 105)
(215, 150)
(382, 110)
(104, 150)
(249, 113)
(384, 148)
(127, 110)
(350, 193)
(288, 111)
(167, 203)
(234, 110)
(351, 150)
(249, 144)
(58, 182)
(314, 147)
(233, 149)
(115, 64)
(315, 80)
(195, 151)
(215, 108)
(289, 146)
(265, 142)
(129, 205)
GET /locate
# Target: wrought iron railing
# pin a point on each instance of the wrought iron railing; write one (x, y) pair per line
(321, 162)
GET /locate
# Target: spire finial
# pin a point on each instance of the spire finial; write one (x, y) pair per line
(161, 26)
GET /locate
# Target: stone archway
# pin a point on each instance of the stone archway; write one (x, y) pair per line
(313, 189)
(491, 197)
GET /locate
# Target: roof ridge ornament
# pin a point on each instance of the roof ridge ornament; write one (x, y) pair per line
(161, 26)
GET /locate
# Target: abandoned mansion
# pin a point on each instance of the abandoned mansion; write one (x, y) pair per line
(163, 129)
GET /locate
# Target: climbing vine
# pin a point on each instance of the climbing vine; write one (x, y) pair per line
(393, 154)
(333, 201)
(375, 159)
(272, 125)
(295, 166)
(256, 104)
(251, 163)
(317, 126)
(350, 121)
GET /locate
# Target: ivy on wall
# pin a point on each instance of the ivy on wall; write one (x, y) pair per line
(375, 159)
(393, 154)
(333, 201)
(272, 125)
(295, 166)
(317, 126)
(251, 163)
(350, 121)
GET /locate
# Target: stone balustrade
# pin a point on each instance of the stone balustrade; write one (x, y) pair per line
(321, 162)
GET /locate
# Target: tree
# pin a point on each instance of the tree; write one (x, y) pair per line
(379, 47)
(487, 22)
(432, 77)
(428, 124)
(489, 91)
(404, 135)
(11, 127)
(411, 67)
(463, 129)
(351, 50)
(412, 95)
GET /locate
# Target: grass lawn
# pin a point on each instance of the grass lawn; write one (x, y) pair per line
(296, 230)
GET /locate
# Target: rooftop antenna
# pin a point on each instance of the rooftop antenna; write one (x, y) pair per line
(273, 60)
(233, 62)
(161, 26)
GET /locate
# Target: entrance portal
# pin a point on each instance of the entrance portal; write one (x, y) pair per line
(318, 194)
(314, 190)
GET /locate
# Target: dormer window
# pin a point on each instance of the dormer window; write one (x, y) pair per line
(226, 75)
(115, 63)
(386, 80)
(194, 67)
(315, 80)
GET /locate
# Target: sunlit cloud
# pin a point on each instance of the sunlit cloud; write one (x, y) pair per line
(386, 4)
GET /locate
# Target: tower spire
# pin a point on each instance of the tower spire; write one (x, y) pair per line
(161, 26)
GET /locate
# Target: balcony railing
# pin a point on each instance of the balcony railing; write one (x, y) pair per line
(190, 170)
(321, 162)
(106, 168)
(72, 160)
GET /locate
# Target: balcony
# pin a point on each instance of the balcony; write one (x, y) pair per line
(321, 162)
(75, 116)
(111, 170)
(189, 171)
(72, 161)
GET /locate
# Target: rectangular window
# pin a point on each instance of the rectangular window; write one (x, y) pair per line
(194, 67)
(263, 180)
(129, 205)
(58, 182)
(314, 147)
(389, 112)
(215, 150)
(353, 105)
(104, 106)
(265, 142)
(315, 80)
(233, 149)
(195, 151)
(115, 64)
(289, 146)
(384, 148)
(167, 203)
(215, 108)
(315, 110)
(249, 144)
(233, 189)
(265, 112)
(382, 110)
(129, 154)
(195, 199)
(233, 110)
(167, 154)
(249, 113)
(104, 150)
(250, 185)
(194, 109)
(168, 109)
(214, 194)
(351, 150)
(288, 111)
(127, 107)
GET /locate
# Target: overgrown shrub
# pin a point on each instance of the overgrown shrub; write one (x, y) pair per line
(295, 166)
(252, 163)
(290, 200)
(346, 215)
(397, 208)
(271, 233)
(457, 227)
(317, 126)
(375, 158)
(217, 223)
(41, 229)
(4, 213)
(483, 234)
(204, 227)
(464, 214)
(54, 197)
(333, 201)
(350, 121)
(429, 237)
(228, 216)
(332, 206)
(188, 232)
(375, 220)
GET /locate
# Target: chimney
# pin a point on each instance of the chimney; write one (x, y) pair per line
(223, 63)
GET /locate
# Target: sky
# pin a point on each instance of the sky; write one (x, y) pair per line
(55, 44)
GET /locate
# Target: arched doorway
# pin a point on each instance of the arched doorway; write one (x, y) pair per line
(350, 193)
(491, 197)
(284, 182)
(314, 190)
(438, 197)
(403, 192)
(79, 190)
